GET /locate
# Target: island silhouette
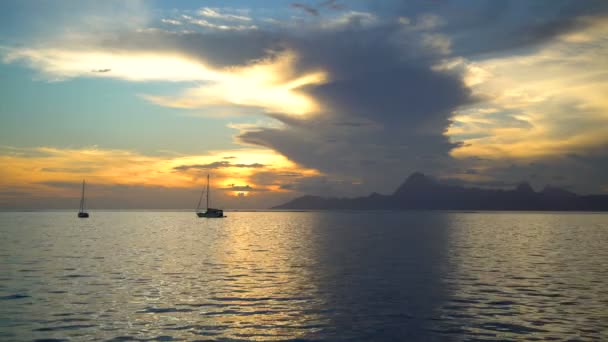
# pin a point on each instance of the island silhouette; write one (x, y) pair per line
(420, 192)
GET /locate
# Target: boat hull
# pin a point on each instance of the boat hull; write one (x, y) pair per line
(210, 215)
(83, 215)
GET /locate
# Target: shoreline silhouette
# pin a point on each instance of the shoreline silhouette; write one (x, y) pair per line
(421, 192)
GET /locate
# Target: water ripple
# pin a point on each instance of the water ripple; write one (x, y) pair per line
(373, 276)
(14, 296)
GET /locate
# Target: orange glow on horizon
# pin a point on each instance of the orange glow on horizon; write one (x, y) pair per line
(43, 170)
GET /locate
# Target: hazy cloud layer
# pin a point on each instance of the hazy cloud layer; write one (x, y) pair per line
(217, 165)
(51, 178)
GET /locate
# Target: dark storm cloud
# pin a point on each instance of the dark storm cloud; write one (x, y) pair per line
(382, 75)
(480, 26)
(383, 108)
(527, 24)
(384, 105)
(217, 165)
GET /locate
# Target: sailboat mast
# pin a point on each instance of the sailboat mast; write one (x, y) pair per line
(200, 199)
(82, 197)
(207, 191)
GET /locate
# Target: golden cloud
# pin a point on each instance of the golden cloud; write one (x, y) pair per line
(271, 84)
(547, 103)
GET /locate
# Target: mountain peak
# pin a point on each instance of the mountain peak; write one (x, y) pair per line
(417, 178)
(416, 181)
(524, 187)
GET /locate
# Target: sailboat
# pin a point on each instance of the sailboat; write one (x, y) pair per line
(209, 212)
(82, 212)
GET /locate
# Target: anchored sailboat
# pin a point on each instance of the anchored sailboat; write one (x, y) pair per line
(82, 213)
(209, 212)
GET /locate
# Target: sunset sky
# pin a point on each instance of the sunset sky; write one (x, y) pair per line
(277, 99)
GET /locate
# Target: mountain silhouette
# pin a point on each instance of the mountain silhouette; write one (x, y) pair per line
(421, 192)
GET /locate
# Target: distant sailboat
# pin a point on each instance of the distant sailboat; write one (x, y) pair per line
(82, 212)
(209, 212)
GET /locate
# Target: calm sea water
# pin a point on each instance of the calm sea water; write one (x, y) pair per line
(378, 276)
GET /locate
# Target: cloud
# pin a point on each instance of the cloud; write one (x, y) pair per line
(581, 173)
(271, 84)
(171, 21)
(223, 14)
(217, 165)
(478, 28)
(40, 22)
(62, 184)
(107, 166)
(383, 106)
(208, 24)
(45, 177)
(545, 103)
(399, 87)
(315, 12)
(68, 169)
(142, 66)
(242, 188)
(352, 68)
(332, 4)
(305, 8)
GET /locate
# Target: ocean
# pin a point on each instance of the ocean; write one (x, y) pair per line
(307, 276)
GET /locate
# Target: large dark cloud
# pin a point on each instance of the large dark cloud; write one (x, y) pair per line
(480, 26)
(521, 24)
(385, 109)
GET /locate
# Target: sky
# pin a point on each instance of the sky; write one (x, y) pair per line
(277, 99)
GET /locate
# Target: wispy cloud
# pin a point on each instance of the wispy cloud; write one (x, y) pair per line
(243, 188)
(208, 24)
(171, 21)
(71, 62)
(271, 84)
(223, 14)
(217, 165)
